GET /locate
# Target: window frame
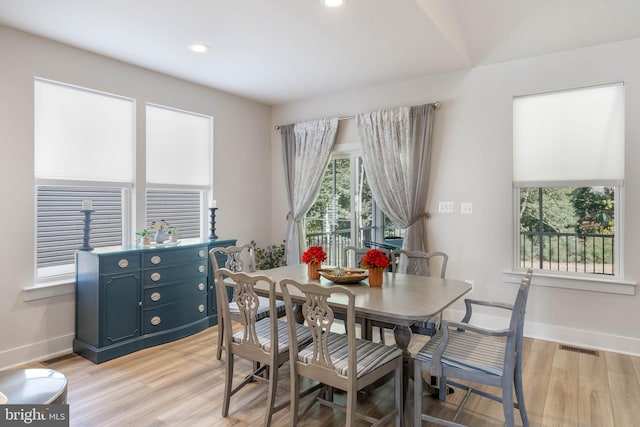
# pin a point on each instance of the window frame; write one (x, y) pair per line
(65, 274)
(618, 259)
(133, 201)
(617, 283)
(206, 192)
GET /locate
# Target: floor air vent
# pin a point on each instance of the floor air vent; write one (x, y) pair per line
(57, 359)
(579, 350)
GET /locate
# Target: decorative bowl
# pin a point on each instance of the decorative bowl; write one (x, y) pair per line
(344, 275)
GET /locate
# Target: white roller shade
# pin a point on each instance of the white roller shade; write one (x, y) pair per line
(569, 136)
(179, 146)
(82, 134)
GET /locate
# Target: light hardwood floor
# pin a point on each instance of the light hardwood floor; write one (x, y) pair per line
(181, 384)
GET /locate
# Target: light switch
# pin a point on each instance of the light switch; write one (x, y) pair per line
(445, 207)
(466, 208)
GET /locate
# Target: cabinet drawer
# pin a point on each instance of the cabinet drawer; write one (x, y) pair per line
(119, 263)
(158, 276)
(160, 295)
(174, 315)
(169, 257)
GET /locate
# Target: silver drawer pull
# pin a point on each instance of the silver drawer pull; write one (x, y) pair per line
(201, 268)
(202, 253)
(201, 286)
(201, 308)
(155, 276)
(155, 320)
(155, 259)
(156, 296)
(123, 263)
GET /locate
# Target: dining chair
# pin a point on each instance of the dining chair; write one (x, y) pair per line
(265, 341)
(337, 360)
(352, 258)
(352, 255)
(421, 263)
(237, 258)
(477, 355)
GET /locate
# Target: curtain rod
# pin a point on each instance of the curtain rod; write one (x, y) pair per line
(277, 127)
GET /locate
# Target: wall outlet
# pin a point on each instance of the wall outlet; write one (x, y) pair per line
(445, 207)
(466, 208)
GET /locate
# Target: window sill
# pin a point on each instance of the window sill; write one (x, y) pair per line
(49, 289)
(609, 285)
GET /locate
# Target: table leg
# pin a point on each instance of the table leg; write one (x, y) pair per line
(402, 335)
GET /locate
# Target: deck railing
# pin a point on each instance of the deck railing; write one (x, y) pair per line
(335, 242)
(584, 253)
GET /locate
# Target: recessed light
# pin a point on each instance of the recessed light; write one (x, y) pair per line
(199, 47)
(333, 3)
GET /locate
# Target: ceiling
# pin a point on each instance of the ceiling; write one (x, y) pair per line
(279, 51)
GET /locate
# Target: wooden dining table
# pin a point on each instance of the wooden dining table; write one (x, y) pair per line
(401, 301)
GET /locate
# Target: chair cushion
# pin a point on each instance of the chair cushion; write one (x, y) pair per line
(263, 331)
(370, 355)
(467, 350)
(263, 308)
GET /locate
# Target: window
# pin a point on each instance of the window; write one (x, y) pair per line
(344, 212)
(568, 178)
(83, 149)
(178, 168)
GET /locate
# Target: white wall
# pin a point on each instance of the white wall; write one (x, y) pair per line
(472, 162)
(37, 329)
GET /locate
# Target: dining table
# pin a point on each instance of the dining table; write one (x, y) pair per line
(401, 301)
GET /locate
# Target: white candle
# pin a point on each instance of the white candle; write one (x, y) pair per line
(213, 203)
(87, 205)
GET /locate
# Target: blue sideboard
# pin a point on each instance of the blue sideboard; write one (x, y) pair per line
(130, 298)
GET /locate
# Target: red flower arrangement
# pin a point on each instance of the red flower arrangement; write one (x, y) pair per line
(314, 254)
(374, 259)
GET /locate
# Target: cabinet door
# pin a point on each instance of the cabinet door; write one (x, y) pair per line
(121, 307)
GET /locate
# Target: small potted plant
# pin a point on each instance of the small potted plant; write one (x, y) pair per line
(145, 236)
(376, 261)
(313, 257)
(173, 234)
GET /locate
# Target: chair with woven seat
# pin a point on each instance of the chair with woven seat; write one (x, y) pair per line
(337, 360)
(265, 342)
(236, 260)
(420, 263)
(477, 355)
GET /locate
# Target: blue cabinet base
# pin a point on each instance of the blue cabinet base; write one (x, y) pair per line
(102, 354)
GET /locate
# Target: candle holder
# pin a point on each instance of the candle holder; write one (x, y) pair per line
(213, 235)
(87, 230)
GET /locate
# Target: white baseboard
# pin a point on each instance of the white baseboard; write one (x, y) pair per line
(577, 337)
(37, 351)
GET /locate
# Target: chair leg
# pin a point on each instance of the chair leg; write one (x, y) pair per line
(520, 395)
(417, 393)
(271, 396)
(442, 388)
(381, 335)
(227, 384)
(295, 395)
(507, 402)
(220, 337)
(352, 403)
(398, 392)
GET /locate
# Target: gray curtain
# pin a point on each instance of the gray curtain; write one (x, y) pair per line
(396, 153)
(306, 150)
